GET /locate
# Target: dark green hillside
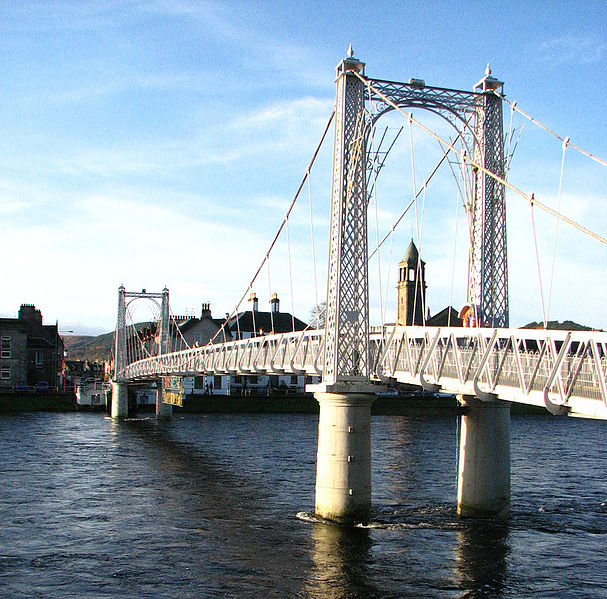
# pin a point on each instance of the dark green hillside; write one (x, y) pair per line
(86, 347)
(94, 349)
(555, 325)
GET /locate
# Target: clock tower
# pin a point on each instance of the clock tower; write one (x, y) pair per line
(411, 288)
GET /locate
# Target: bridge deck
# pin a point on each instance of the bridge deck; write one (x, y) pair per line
(563, 371)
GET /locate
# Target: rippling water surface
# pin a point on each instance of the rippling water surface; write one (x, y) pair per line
(220, 506)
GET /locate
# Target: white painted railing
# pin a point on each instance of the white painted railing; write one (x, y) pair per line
(563, 371)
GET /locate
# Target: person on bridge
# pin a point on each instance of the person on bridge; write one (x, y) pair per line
(468, 316)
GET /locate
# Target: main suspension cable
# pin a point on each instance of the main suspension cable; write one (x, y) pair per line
(515, 106)
(280, 228)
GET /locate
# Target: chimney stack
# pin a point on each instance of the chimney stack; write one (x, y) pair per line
(253, 298)
(275, 304)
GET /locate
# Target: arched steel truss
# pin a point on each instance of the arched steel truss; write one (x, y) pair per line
(457, 107)
(121, 359)
(477, 116)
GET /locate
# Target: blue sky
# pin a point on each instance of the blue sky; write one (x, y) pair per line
(152, 143)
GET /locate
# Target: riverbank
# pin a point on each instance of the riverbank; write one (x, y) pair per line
(306, 404)
(303, 404)
(14, 402)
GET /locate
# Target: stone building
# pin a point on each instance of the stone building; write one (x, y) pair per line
(31, 353)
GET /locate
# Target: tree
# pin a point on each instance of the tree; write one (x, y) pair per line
(317, 316)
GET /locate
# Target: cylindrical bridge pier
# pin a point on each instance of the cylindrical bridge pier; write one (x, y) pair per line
(120, 400)
(483, 482)
(343, 466)
(164, 411)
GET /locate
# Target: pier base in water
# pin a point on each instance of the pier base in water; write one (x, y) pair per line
(164, 411)
(120, 400)
(343, 466)
(483, 483)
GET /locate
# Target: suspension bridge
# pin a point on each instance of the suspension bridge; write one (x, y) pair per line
(488, 365)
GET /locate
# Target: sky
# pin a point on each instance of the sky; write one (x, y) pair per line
(159, 143)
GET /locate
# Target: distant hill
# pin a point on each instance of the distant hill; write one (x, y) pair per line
(555, 325)
(93, 348)
(87, 347)
(99, 348)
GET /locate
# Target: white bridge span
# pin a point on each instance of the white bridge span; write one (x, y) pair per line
(488, 367)
(563, 371)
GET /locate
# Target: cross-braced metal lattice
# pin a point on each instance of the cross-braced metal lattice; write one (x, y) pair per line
(488, 276)
(347, 324)
(347, 319)
(456, 106)
(120, 359)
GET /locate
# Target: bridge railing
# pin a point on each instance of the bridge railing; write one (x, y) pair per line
(292, 353)
(561, 370)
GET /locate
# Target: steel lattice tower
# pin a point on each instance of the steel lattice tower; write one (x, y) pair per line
(488, 276)
(121, 357)
(347, 317)
(163, 344)
(120, 348)
(347, 322)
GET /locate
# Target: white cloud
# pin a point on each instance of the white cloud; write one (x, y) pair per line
(572, 49)
(11, 205)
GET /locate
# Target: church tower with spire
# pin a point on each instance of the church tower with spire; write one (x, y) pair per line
(411, 288)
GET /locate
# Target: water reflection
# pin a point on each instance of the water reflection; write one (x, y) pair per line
(481, 558)
(341, 558)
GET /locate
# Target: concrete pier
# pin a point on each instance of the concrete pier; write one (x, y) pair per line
(483, 484)
(164, 411)
(343, 465)
(120, 400)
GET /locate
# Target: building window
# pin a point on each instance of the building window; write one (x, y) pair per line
(39, 358)
(5, 373)
(5, 347)
(217, 382)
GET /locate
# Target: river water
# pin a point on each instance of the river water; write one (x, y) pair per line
(220, 506)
